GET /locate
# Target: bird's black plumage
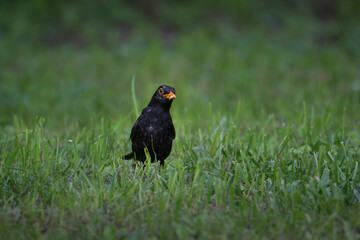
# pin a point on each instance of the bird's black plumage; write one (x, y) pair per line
(154, 129)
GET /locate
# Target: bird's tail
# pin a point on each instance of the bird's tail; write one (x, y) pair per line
(128, 156)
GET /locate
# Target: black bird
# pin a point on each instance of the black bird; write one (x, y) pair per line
(154, 129)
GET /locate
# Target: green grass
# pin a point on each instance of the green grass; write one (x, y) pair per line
(278, 181)
(267, 138)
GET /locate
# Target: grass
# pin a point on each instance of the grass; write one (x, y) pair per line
(267, 139)
(276, 181)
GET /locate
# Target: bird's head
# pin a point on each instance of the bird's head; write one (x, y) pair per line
(164, 95)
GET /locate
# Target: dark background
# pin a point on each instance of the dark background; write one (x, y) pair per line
(68, 59)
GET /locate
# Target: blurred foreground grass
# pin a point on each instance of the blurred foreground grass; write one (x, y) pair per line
(267, 144)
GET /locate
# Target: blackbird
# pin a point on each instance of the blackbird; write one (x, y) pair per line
(154, 129)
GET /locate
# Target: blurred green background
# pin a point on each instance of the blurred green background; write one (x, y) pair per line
(71, 60)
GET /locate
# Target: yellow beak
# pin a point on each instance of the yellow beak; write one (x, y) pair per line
(170, 95)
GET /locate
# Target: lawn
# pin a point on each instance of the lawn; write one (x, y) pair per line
(267, 122)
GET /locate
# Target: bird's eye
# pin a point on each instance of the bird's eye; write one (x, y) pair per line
(161, 91)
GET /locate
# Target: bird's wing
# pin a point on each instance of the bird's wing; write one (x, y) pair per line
(172, 131)
(135, 129)
(138, 128)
